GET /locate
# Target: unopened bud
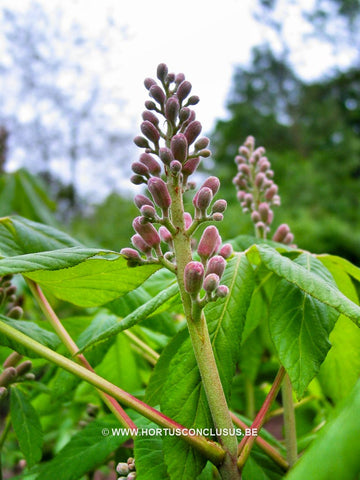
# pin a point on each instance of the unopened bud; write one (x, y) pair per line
(147, 232)
(211, 282)
(131, 254)
(179, 147)
(202, 143)
(150, 105)
(226, 250)
(140, 169)
(203, 199)
(122, 468)
(151, 117)
(183, 90)
(276, 201)
(165, 235)
(175, 167)
(29, 376)
(151, 163)
(255, 217)
(209, 242)
(16, 313)
(213, 183)
(264, 211)
(141, 200)
(239, 159)
(193, 100)
(148, 212)
(170, 77)
(184, 114)
(3, 393)
(218, 217)
(216, 265)
(166, 155)
(187, 219)
(150, 131)
(179, 78)
(261, 227)
(12, 360)
(193, 277)
(259, 179)
(244, 151)
(24, 368)
(137, 179)
(131, 476)
(264, 164)
(190, 166)
(172, 108)
(149, 82)
(158, 94)
(159, 191)
(250, 142)
(140, 244)
(219, 206)
(204, 153)
(7, 376)
(289, 238)
(141, 142)
(162, 71)
(192, 131)
(222, 291)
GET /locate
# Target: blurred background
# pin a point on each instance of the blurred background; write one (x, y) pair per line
(71, 97)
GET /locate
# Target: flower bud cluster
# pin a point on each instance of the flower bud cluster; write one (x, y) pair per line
(257, 192)
(14, 371)
(8, 299)
(173, 148)
(126, 470)
(207, 273)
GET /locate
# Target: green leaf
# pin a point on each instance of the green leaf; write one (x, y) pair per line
(341, 368)
(93, 282)
(88, 449)
(336, 452)
(185, 400)
(19, 236)
(136, 316)
(46, 338)
(339, 263)
(26, 424)
(303, 279)
(149, 454)
(300, 326)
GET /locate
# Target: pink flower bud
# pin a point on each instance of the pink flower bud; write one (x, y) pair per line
(218, 217)
(150, 105)
(147, 232)
(9, 375)
(180, 77)
(240, 195)
(289, 238)
(166, 155)
(250, 142)
(193, 100)
(203, 199)
(150, 131)
(245, 169)
(281, 233)
(158, 94)
(190, 166)
(264, 211)
(162, 71)
(151, 117)
(244, 151)
(170, 77)
(172, 108)
(149, 82)
(222, 291)
(148, 212)
(213, 183)
(264, 164)
(184, 114)
(165, 235)
(159, 191)
(209, 242)
(139, 243)
(141, 200)
(216, 265)
(130, 253)
(270, 192)
(183, 90)
(151, 163)
(261, 227)
(202, 143)
(239, 159)
(248, 199)
(276, 201)
(193, 277)
(175, 167)
(141, 142)
(204, 153)
(187, 219)
(179, 147)
(190, 119)
(192, 131)
(226, 250)
(137, 179)
(255, 216)
(259, 179)
(211, 282)
(140, 169)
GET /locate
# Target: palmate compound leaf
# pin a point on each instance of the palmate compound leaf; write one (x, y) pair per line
(300, 326)
(182, 395)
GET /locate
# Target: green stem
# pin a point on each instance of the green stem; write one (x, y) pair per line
(263, 444)
(64, 336)
(247, 443)
(210, 450)
(201, 343)
(249, 398)
(151, 354)
(289, 421)
(5, 431)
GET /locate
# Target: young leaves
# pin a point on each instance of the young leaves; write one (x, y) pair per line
(26, 425)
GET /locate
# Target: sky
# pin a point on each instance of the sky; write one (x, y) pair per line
(203, 39)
